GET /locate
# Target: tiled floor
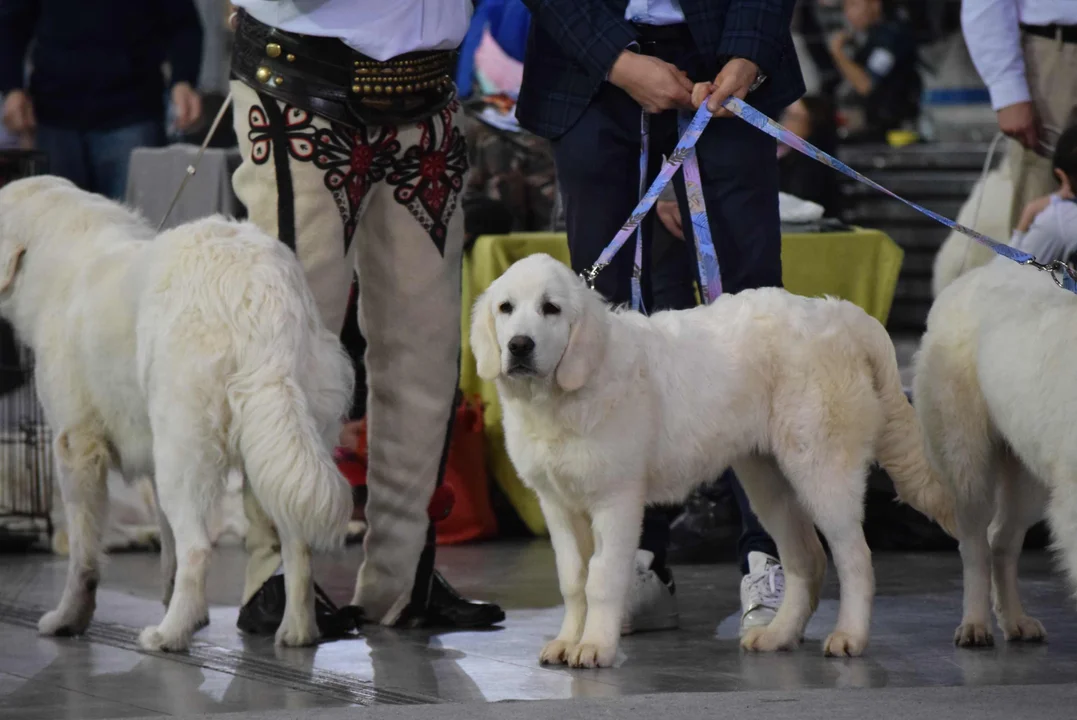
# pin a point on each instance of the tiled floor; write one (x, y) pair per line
(102, 675)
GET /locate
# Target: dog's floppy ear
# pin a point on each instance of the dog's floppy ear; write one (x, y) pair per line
(586, 346)
(483, 338)
(10, 257)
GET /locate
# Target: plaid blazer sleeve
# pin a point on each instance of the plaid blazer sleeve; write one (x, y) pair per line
(589, 31)
(756, 30)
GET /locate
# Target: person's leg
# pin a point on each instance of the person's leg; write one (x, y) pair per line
(1052, 82)
(409, 251)
(286, 196)
(598, 177)
(753, 538)
(110, 155)
(67, 154)
(738, 168)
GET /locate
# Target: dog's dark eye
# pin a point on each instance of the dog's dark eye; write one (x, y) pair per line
(505, 307)
(548, 308)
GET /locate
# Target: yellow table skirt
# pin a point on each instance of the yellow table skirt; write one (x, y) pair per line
(860, 266)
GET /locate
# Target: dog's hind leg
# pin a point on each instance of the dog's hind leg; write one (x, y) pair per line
(803, 560)
(82, 457)
(298, 627)
(573, 546)
(1021, 501)
(168, 551)
(189, 474)
(1062, 516)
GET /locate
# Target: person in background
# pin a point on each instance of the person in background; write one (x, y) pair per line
(812, 118)
(592, 67)
(1026, 53)
(1048, 226)
(96, 91)
(877, 60)
(512, 183)
(353, 157)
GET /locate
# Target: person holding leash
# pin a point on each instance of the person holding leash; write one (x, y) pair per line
(353, 156)
(591, 68)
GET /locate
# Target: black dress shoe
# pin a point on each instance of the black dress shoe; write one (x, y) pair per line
(263, 613)
(447, 609)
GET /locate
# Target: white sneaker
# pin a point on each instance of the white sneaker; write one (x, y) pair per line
(652, 603)
(761, 591)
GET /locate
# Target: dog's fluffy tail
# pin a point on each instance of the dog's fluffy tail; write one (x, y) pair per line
(900, 449)
(292, 387)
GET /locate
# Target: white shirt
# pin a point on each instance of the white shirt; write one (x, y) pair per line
(380, 29)
(654, 12)
(994, 41)
(1053, 235)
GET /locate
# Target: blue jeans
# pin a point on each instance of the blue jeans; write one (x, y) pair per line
(97, 161)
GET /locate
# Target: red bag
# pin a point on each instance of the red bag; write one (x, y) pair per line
(461, 507)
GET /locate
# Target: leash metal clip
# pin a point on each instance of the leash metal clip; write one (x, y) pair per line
(1056, 269)
(590, 274)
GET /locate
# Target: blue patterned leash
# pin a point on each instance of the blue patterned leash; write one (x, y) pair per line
(682, 152)
(1060, 272)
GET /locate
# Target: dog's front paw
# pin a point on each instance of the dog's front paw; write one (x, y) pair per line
(971, 635)
(843, 644)
(154, 640)
(295, 632)
(1024, 629)
(555, 652)
(61, 623)
(590, 655)
(765, 639)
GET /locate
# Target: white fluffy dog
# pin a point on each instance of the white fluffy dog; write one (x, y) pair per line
(606, 411)
(995, 393)
(180, 357)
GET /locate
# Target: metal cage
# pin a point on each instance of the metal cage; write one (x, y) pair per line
(26, 461)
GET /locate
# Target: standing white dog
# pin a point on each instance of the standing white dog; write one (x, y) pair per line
(178, 357)
(606, 411)
(995, 391)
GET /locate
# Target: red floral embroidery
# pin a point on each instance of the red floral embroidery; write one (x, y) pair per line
(430, 176)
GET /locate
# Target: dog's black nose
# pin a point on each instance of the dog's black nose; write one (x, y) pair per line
(521, 346)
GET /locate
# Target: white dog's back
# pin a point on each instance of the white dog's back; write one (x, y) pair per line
(180, 357)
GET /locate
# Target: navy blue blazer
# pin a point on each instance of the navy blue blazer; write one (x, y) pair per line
(573, 44)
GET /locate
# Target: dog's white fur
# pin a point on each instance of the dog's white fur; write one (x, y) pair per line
(180, 356)
(995, 392)
(986, 210)
(619, 410)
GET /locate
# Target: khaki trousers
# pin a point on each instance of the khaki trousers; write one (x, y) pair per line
(1051, 67)
(380, 201)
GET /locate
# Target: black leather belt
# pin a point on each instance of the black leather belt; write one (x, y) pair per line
(662, 33)
(326, 77)
(1067, 33)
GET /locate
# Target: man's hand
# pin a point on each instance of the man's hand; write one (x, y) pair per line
(1019, 122)
(734, 80)
(188, 105)
(655, 84)
(1032, 210)
(837, 42)
(19, 113)
(670, 215)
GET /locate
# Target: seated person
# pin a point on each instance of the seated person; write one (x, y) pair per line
(1048, 225)
(812, 118)
(877, 59)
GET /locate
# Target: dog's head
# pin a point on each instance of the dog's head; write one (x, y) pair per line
(539, 321)
(29, 197)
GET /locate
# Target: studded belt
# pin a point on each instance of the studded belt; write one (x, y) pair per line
(326, 77)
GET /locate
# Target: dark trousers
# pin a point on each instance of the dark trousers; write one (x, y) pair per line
(598, 176)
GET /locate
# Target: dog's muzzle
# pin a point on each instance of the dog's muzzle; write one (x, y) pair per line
(521, 348)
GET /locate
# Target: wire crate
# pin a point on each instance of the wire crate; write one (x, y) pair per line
(26, 461)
